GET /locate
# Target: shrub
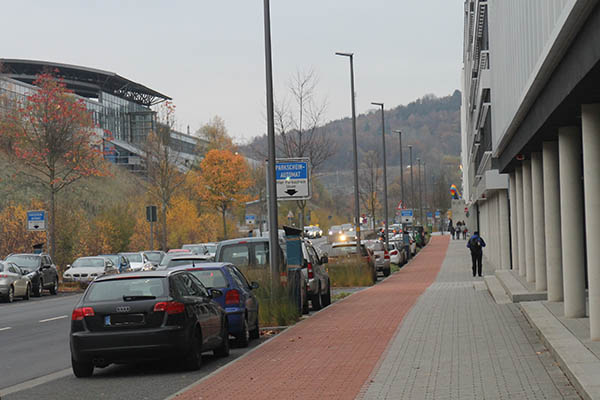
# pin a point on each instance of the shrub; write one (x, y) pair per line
(350, 271)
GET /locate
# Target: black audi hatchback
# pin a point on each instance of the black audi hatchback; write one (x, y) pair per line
(146, 316)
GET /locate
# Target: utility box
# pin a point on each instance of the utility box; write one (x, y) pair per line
(293, 238)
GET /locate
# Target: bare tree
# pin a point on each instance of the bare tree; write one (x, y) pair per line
(370, 175)
(165, 166)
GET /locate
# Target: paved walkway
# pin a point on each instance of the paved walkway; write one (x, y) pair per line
(457, 343)
(417, 335)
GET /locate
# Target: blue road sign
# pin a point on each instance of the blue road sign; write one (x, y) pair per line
(292, 176)
(437, 214)
(250, 219)
(36, 220)
(429, 214)
(406, 213)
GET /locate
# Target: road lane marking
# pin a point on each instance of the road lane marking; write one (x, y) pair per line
(35, 382)
(5, 329)
(53, 318)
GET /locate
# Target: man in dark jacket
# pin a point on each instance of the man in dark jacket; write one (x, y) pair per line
(476, 245)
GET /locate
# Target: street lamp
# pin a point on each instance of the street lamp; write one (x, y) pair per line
(271, 185)
(412, 188)
(354, 149)
(385, 200)
(420, 191)
(401, 168)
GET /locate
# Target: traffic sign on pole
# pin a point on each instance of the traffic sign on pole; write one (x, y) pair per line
(407, 216)
(293, 179)
(36, 220)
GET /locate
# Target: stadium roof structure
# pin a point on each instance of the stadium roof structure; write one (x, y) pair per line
(84, 81)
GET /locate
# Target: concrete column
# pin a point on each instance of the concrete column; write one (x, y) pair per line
(514, 248)
(504, 229)
(496, 230)
(528, 212)
(554, 267)
(539, 239)
(590, 118)
(571, 220)
(520, 221)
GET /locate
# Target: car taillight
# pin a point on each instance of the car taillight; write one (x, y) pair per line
(394, 252)
(232, 297)
(386, 255)
(309, 269)
(82, 312)
(3, 276)
(170, 307)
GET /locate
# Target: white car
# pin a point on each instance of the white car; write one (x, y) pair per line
(86, 269)
(398, 255)
(138, 261)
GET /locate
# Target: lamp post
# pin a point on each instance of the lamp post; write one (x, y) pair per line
(354, 150)
(412, 188)
(401, 168)
(385, 199)
(425, 190)
(420, 191)
(271, 185)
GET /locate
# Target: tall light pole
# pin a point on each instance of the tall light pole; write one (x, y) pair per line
(385, 199)
(412, 187)
(271, 185)
(425, 190)
(420, 191)
(401, 168)
(354, 150)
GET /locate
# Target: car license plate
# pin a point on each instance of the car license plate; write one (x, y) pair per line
(107, 320)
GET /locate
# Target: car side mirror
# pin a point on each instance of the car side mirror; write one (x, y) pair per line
(254, 285)
(324, 260)
(214, 293)
(68, 266)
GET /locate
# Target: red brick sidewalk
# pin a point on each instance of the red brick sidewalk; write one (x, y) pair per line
(331, 354)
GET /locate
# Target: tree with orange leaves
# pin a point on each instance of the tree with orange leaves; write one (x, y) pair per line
(223, 182)
(52, 133)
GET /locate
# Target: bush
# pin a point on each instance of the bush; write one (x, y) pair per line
(350, 271)
(276, 307)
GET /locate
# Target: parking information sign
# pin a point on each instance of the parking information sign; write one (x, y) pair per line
(250, 219)
(293, 179)
(36, 220)
(407, 216)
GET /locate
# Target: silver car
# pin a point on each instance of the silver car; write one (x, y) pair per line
(86, 269)
(13, 283)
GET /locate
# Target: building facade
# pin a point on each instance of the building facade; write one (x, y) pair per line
(118, 105)
(539, 142)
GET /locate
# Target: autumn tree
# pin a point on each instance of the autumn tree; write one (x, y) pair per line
(223, 182)
(369, 182)
(52, 133)
(216, 134)
(299, 125)
(166, 168)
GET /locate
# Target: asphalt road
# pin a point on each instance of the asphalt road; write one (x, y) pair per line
(35, 359)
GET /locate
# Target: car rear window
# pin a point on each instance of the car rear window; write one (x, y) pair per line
(343, 251)
(186, 261)
(237, 254)
(117, 288)
(89, 263)
(211, 278)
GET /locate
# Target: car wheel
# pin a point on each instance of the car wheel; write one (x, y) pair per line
(27, 292)
(386, 272)
(82, 369)
(223, 349)
(194, 358)
(316, 300)
(54, 288)
(326, 298)
(11, 295)
(243, 339)
(255, 332)
(38, 291)
(305, 305)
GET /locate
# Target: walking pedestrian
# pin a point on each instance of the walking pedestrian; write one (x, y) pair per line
(476, 245)
(458, 229)
(464, 232)
(451, 229)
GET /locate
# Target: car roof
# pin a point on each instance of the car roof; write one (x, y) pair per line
(244, 240)
(189, 257)
(27, 254)
(158, 273)
(213, 265)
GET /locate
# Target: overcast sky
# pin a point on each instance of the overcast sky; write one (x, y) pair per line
(208, 55)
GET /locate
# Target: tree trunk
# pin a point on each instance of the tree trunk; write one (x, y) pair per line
(163, 244)
(224, 223)
(52, 228)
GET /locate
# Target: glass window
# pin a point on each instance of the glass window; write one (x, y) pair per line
(261, 253)
(118, 288)
(211, 278)
(236, 254)
(89, 263)
(25, 260)
(241, 276)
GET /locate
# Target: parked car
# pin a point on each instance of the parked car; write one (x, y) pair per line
(13, 282)
(176, 260)
(336, 234)
(86, 269)
(349, 231)
(312, 232)
(238, 299)
(155, 315)
(382, 258)
(212, 248)
(154, 256)
(120, 262)
(398, 254)
(39, 269)
(318, 287)
(198, 249)
(348, 249)
(138, 261)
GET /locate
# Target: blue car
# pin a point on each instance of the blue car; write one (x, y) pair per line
(238, 299)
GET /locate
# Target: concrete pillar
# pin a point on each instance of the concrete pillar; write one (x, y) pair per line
(571, 220)
(528, 212)
(590, 119)
(520, 220)
(496, 229)
(504, 229)
(514, 239)
(552, 228)
(539, 239)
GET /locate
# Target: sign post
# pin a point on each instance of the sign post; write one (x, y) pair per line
(36, 222)
(293, 179)
(407, 216)
(151, 217)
